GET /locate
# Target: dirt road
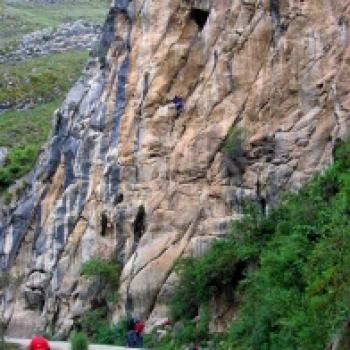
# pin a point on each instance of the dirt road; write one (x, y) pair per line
(60, 345)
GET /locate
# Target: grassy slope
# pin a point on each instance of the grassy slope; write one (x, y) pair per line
(40, 79)
(21, 17)
(23, 133)
(24, 127)
(290, 271)
(44, 80)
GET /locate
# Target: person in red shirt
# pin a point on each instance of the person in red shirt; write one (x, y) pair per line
(139, 327)
(39, 343)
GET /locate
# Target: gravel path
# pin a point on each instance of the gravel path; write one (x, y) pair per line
(60, 345)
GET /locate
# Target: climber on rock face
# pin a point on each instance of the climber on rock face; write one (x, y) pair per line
(179, 105)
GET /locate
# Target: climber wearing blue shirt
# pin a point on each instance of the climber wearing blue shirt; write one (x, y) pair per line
(179, 105)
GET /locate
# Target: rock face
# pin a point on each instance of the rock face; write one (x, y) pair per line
(123, 175)
(3, 155)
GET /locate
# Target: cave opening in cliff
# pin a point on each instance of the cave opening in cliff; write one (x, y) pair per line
(200, 17)
(139, 223)
(119, 198)
(104, 224)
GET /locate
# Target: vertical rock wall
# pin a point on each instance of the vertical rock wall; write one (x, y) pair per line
(123, 176)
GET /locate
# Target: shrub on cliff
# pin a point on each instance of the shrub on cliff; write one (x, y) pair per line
(95, 324)
(290, 270)
(233, 144)
(105, 278)
(106, 272)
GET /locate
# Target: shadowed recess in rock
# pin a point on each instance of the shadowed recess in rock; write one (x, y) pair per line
(119, 198)
(20, 223)
(98, 119)
(104, 224)
(145, 85)
(120, 103)
(121, 5)
(59, 135)
(231, 82)
(69, 151)
(106, 37)
(112, 178)
(200, 17)
(37, 229)
(139, 223)
(275, 11)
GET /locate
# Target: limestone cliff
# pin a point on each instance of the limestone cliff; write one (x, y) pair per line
(124, 176)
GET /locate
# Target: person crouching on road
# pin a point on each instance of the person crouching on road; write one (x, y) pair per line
(38, 343)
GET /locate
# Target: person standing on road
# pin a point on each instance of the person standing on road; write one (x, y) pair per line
(139, 328)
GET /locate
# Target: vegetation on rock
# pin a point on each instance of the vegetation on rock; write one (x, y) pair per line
(95, 323)
(233, 144)
(23, 132)
(105, 272)
(289, 271)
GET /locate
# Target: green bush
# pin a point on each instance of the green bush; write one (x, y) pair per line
(95, 324)
(19, 162)
(121, 332)
(105, 271)
(7, 197)
(78, 341)
(218, 271)
(233, 144)
(299, 296)
(23, 132)
(105, 334)
(92, 320)
(290, 269)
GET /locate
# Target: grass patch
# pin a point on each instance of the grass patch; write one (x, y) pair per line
(20, 17)
(40, 79)
(23, 132)
(21, 128)
(10, 346)
(290, 270)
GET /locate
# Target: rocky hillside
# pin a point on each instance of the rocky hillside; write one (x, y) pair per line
(43, 48)
(264, 86)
